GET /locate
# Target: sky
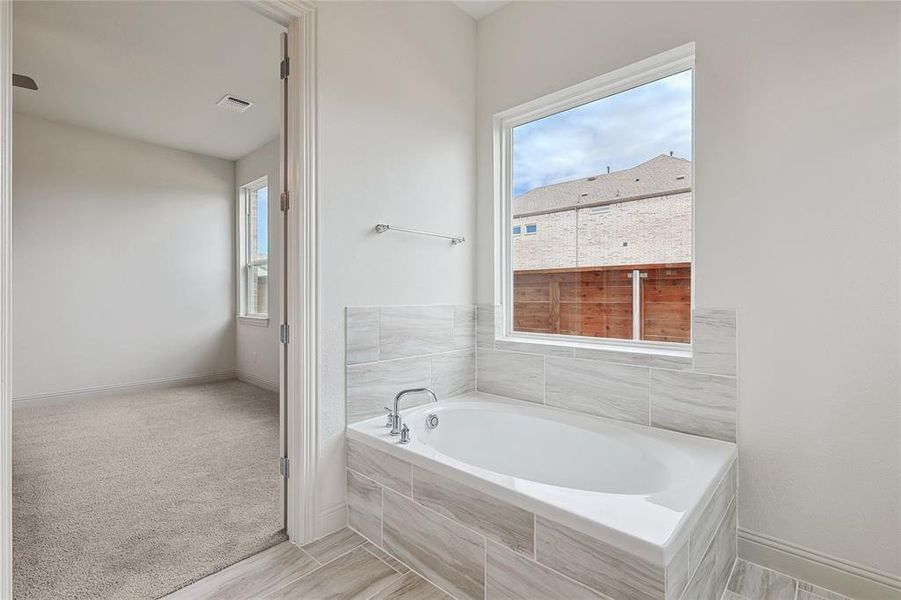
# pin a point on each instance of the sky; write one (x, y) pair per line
(619, 131)
(263, 221)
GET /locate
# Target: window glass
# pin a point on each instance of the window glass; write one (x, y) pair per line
(255, 259)
(609, 185)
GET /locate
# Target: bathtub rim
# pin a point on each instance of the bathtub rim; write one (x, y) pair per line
(657, 554)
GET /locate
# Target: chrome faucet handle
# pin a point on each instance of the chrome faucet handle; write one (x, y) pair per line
(390, 417)
(405, 435)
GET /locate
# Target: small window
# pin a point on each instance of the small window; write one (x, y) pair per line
(517, 229)
(254, 256)
(624, 138)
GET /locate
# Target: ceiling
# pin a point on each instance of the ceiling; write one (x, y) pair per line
(480, 8)
(152, 71)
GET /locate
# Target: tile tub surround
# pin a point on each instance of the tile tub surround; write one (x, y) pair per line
(695, 394)
(473, 544)
(389, 348)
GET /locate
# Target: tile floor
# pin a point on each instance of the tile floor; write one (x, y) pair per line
(345, 565)
(753, 582)
(342, 565)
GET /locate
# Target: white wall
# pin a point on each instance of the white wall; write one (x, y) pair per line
(797, 225)
(257, 346)
(396, 145)
(123, 261)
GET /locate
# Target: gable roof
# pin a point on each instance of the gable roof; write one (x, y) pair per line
(659, 176)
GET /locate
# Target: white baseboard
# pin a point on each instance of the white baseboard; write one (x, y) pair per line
(259, 382)
(331, 518)
(120, 388)
(833, 573)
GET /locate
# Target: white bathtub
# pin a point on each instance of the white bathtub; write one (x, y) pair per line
(637, 488)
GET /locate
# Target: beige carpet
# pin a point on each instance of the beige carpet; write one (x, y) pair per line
(136, 495)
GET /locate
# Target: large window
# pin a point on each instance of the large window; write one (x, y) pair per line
(254, 237)
(598, 181)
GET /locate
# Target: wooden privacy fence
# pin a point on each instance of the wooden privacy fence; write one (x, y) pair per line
(598, 302)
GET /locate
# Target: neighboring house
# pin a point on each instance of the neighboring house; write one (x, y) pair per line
(637, 216)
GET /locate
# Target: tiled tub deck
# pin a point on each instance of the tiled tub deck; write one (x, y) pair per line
(474, 545)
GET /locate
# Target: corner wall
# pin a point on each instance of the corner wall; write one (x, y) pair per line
(396, 96)
(797, 226)
(257, 344)
(123, 262)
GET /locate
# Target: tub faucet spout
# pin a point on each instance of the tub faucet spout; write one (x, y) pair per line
(395, 416)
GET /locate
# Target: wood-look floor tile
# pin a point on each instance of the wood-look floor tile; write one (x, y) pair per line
(818, 592)
(386, 558)
(253, 577)
(756, 582)
(357, 575)
(411, 587)
(333, 545)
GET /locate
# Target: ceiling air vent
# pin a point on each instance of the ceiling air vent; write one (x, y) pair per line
(234, 104)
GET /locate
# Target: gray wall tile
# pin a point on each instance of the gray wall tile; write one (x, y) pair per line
(606, 390)
(725, 548)
(498, 520)
(511, 374)
(444, 552)
(415, 330)
(453, 373)
(362, 334)
(364, 506)
(532, 348)
(639, 359)
(596, 564)
(703, 583)
(708, 521)
(464, 326)
(694, 403)
(714, 341)
(488, 325)
(380, 467)
(510, 576)
(372, 386)
(677, 573)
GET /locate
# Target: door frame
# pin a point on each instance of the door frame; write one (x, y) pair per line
(301, 396)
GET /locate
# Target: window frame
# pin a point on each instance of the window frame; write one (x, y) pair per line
(620, 80)
(244, 260)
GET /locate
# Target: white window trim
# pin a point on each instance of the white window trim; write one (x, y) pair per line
(645, 71)
(243, 199)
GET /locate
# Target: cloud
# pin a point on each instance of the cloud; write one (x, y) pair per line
(619, 131)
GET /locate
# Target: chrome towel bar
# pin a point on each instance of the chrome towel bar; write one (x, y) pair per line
(455, 239)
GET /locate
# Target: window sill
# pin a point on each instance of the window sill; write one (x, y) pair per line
(662, 352)
(253, 321)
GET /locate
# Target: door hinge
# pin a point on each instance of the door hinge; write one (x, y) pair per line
(285, 197)
(285, 68)
(284, 466)
(284, 333)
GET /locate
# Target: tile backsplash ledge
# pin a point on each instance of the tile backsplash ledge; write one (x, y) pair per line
(455, 349)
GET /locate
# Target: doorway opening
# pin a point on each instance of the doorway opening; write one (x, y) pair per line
(149, 425)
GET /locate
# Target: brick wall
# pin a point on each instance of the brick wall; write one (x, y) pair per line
(647, 231)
